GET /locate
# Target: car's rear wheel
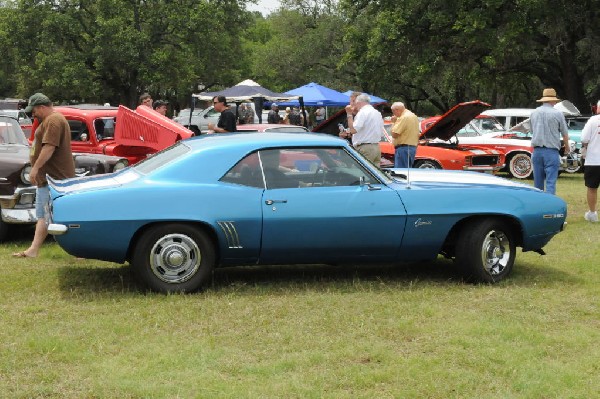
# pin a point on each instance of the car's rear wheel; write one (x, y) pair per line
(520, 166)
(174, 258)
(426, 164)
(485, 250)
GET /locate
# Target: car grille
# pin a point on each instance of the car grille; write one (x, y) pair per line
(485, 160)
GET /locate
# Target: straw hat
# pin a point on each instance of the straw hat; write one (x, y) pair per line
(548, 95)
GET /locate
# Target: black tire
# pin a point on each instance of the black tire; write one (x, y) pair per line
(485, 250)
(426, 164)
(3, 230)
(174, 258)
(520, 166)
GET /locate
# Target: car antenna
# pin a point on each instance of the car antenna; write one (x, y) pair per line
(408, 187)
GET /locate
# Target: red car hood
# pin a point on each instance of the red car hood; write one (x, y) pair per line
(447, 125)
(145, 127)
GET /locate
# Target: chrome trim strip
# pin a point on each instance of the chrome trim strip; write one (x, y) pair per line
(228, 228)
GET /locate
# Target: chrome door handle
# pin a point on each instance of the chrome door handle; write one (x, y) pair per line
(271, 202)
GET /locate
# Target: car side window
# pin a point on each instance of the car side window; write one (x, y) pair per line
(246, 172)
(79, 130)
(312, 167)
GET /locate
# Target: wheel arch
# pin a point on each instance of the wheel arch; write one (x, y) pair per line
(428, 159)
(513, 223)
(514, 152)
(202, 226)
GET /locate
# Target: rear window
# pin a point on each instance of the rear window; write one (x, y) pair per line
(161, 158)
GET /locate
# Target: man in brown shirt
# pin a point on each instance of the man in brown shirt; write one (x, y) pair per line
(50, 155)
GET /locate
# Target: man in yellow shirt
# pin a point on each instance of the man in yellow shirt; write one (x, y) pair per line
(405, 135)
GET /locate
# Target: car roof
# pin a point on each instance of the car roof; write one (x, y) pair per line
(220, 151)
(253, 140)
(94, 111)
(262, 127)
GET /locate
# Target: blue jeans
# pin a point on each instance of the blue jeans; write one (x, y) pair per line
(42, 199)
(404, 156)
(546, 162)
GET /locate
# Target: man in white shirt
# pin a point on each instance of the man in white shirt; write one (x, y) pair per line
(590, 137)
(365, 128)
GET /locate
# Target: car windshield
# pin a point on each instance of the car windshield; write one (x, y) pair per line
(576, 123)
(11, 132)
(161, 158)
(488, 124)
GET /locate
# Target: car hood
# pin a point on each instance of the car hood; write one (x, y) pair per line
(567, 108)
(330, 125)
(455, 119)
(146, 128)
(447, 177)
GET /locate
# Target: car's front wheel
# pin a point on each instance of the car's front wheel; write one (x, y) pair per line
(520, 166)
(485, 250)
(174, 258)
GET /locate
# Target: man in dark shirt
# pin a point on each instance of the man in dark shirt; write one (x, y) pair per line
(226, 122)
(273, 116)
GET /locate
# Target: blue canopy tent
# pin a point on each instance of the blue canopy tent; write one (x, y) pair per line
(374, 99)
(314, 95)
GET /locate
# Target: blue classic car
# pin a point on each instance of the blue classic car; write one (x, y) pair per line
(283, 198)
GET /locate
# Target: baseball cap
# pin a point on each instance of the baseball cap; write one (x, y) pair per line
(37, 99)
(159, 103)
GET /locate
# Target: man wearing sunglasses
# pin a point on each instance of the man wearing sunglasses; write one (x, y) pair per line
(226, 122)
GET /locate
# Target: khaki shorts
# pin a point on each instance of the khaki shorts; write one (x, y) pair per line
(370, 151)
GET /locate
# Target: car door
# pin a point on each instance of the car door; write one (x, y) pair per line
(330, 209)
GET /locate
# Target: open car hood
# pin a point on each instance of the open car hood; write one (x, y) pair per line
(145, 127)
(455, 119)
(567, 108)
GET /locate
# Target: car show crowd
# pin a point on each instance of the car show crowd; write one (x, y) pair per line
(359, 122)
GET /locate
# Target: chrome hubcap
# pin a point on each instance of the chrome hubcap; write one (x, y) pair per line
(522, 165)
(175, 258)
(495, 252)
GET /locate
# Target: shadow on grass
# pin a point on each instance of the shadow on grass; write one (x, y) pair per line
(86, 280)
(77, 280)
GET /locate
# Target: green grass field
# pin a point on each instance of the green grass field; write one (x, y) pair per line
(83, 329)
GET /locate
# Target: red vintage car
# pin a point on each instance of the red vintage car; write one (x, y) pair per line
(94, 129)
(484, 131)
(431, 153)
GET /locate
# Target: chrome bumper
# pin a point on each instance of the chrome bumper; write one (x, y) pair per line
(19, 208)
(483, 168)
(57, 229)
(572, 160)
(19, 216)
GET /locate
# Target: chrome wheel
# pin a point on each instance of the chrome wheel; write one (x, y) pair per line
(485, 250)
(520, 166)
(426, 164)
(495, 252)
(175, 258)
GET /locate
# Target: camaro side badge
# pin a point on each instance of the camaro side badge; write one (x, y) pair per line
(420, 222)
(554, 216)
